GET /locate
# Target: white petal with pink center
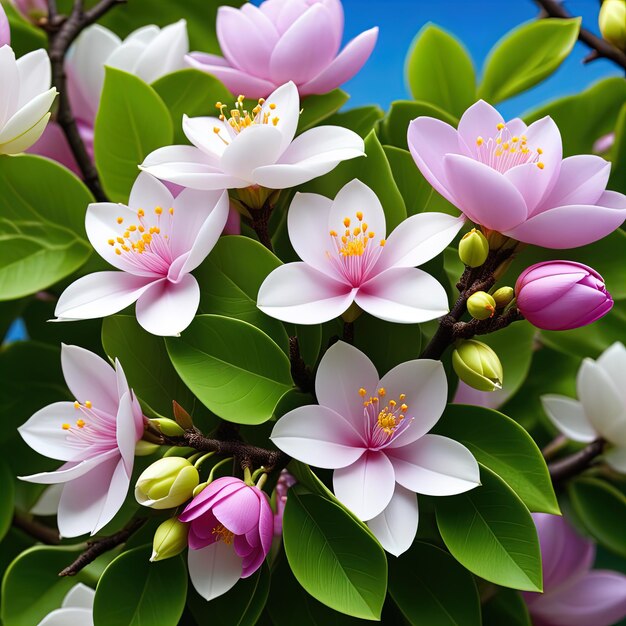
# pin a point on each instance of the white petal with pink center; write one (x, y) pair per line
(347, 259)
(156, 241)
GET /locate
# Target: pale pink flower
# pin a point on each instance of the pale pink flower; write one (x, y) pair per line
(573, 593)
(156, 242)
(230, 534)
(347, 258)
(511, 178)
(95, 436)
(283, 40)
(372, 432)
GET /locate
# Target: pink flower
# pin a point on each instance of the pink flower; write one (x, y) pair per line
(372, 432)
(95, 436)
(230, 534)
(284, 40)
(573, 593)
(512, 179)
(5, 29)
(561, 295)
(347, 259)
(156, 241)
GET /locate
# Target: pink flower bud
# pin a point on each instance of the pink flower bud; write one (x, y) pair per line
(561, 295)
(32, 9)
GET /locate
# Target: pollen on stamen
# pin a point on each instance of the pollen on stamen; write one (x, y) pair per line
(346, 222)
(111, 242)
(65, 426)
(77, 404)
(158, 210)
(479, 141)
(88, 404)
(275, 120)
(500, 126)
(383, 242)
(120, 220)
(140, 213)
(132, 228)
(80, 423)
(382, 392)
(362, 392)
(171, 210)
(540, 165)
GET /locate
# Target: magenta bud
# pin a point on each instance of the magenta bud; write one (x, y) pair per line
(561, 295)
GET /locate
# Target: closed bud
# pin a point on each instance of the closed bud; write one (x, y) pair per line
(477, 365)
(169, 540)
(612, 22)
(145, 448)
(183, 419)
(168, 427)
(167, 483)
(473, 248)
(481, 305)
(503, 296)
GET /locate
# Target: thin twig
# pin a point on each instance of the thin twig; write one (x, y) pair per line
(36, 529)
(300, 372)
(575, 463)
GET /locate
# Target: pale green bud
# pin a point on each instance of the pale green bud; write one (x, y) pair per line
(477, 365)
(145, 448)
(612, 22)
(473, 248)
(169, 540)
(167, 483)
(503, 296)
(481, 305)
(168, 427)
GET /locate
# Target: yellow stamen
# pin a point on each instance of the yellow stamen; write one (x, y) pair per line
(80, 423)
(500, 126)
(88, 404)
(120, 220)
(65, 426)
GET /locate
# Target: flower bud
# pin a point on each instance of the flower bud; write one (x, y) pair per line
(167, 483)
(169, 540)
(561, 295)
(503, 296)
(612, 22)
(145, 448)
(168, 427)
(473, 248)
(481, 305)
(477, 365)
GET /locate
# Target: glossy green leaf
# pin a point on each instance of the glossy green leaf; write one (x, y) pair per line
(360, 119)
(7, 501)
(430, 587)
(506, 607)
(316, 108)
(491, 533)
(617, 181)
(602, 509)
(333, 557)
(527, 55)
(230, 279)
(132, 122)
(439, 71)
(133, 591)
(232, 367)
(504, 447)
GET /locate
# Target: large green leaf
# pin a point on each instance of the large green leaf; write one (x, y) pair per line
(317, 108)
(527, 55)
(430, 587)
(439, 71)
(491, 533)
(232, 367)
(134, 592)
(504, 447)
(506, 607)
(333, 557)
(360, 119)
(230, 279)
(132, 121)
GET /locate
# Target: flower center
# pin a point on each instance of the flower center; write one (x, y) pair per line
(223, 534)
(384, 419)
(143, 244)
(505, 150)
(355, 251)
(92, 427)
(241, 118)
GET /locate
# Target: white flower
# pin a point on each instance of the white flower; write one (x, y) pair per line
(76, 609)
(25, 99)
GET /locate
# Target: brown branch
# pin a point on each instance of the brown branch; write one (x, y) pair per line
(300, 372)
(36, 529)
(601, 47)
(97, 547)
(260, 224)
(575, 463)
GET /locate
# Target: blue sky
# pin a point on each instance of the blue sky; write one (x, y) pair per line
(478, 24)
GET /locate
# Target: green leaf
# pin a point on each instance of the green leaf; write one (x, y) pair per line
(132, 122)
(360, 119)
(491, 533)
(7, 500)
(232, 367)
(333, 557)
(316, 108)
(505, 448)
(618, 152)
(230, 279)
(527, 55)
(439, 71)
(430, 587)
(134, 592)
(602, 510)
(506, 607)
(190, 92)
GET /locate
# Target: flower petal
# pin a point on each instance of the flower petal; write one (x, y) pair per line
(365, 487)
(116, 494)
(24, 141)
(165, 53)
(68, 617)
(283, 104)
(35, 75)
(480, 120)
(69, 471)
(214, 570)
(354, 197)
(125, 431)
(318, 436)
(202, 134)
(404, 295)
(613, 362)
(27, 116)
(239, 514)
(148, 193)
(10, 76)
(616, 458)
(569, 417)
(79, 596)
(396, 526)
(435, 466)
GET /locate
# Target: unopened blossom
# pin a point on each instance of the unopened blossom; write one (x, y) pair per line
(25, 98)
(246, 148)
(600, 410)
(230, 534)
(283, 40)
(95, 436)
(561, 295)
(76, 608)
(156, 241)
(511, 178)
(34, 10)
(574, 594)
(5, 29)
(373, 432)
(348, 258)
